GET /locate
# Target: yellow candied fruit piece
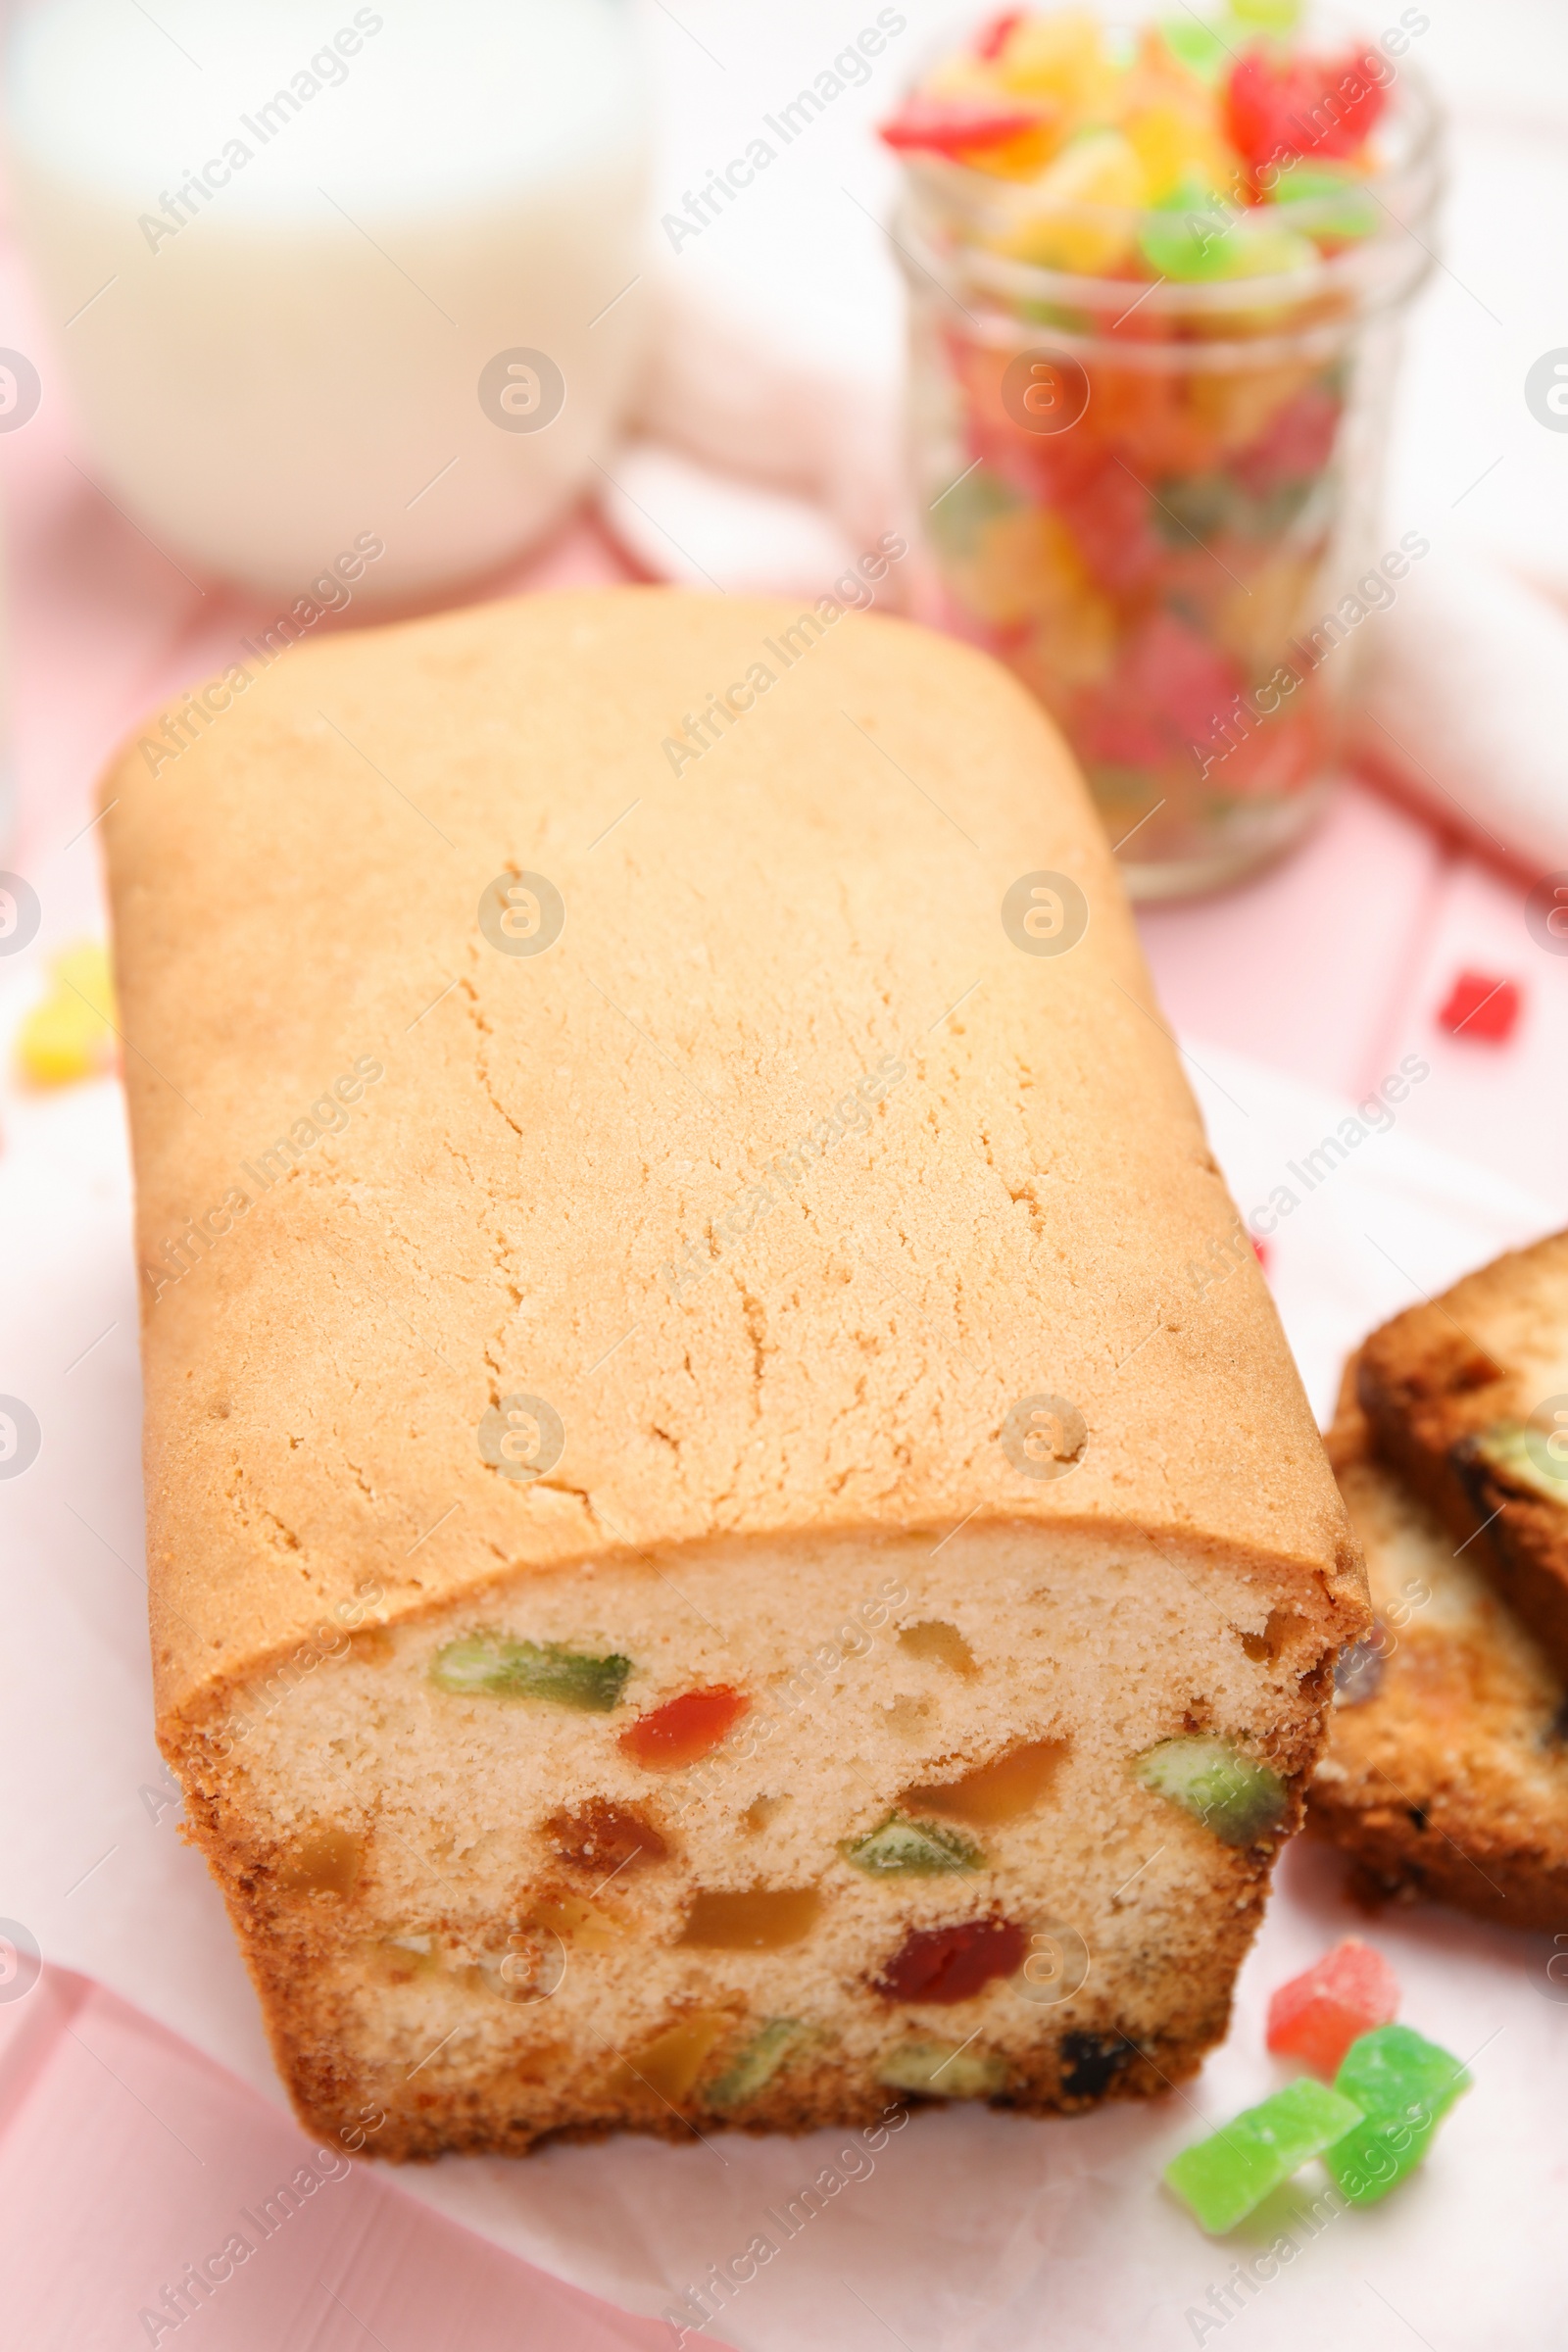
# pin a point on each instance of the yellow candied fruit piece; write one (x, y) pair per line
(1237, 407)
(753, 1919)
(942, 1643)
(1175, 146)
(71, 1034)
(323, 1861)
(578, 1922)
(1001, 1791)
(1101, 171)
(1059, 56)
(671, 2062)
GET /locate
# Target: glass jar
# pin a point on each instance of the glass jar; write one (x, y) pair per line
(1153, 498)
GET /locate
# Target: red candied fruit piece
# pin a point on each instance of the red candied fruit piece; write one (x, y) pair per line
(1318, 105)
(955, 126)
(1260, 1250)
(1318, 2014)
(1481, 1007)
(951, 1964)
(684, 1728)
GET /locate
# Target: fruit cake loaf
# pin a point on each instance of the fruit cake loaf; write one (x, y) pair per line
(1446, 1774)
(732, 1531)
(1468, 1398)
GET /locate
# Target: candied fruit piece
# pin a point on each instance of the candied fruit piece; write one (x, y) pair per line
(71, 1033)
(751, 1918)
(604, 1838)
(1266, 1646)
(1237, 1797)
(943, 2069)
(1222, 2177)
(956, 124)
(938, 1642)
(488, 1665)
(757, 2062)
(683, 1730)
(325, 1861)
(1403, 2085)
(671, 2062)
(911, 1850)
(993, 1792)
(1318, 2014)
(953, 1964)
(1278, 106)
(1481, 1008)
(1358, 1669)
(576, 1922)
(1520, 1454)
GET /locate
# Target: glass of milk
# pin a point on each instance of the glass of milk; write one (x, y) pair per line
(336, 287)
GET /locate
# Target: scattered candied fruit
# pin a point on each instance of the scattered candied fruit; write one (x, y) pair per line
(1012, 1785)
(751, 1918)
(1403, 2085)
(1234, 1795)
(945, 1965)
(671, 2062)
(1318, 2014)
(1481, 1008)
(1222, 2177)
(604, 1838)
(490, 1665)
(684, 1728)
(913, 1849)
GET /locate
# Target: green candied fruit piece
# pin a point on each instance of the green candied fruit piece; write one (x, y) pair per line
(943, 2069)
(1222, 2177)
(1278, 16)
(1516, 1450)
(1190, 236)
(1240, 1799)
(494, 1666)
(1403, 2085)
(757, 2063)
(910, 1849)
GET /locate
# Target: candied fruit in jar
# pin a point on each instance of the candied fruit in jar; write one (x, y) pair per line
(1318, 2014)
(945, 1965)
(684, 1730)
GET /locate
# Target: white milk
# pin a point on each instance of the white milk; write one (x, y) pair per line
(279, 244)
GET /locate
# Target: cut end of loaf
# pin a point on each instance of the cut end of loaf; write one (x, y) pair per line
(766, 1835)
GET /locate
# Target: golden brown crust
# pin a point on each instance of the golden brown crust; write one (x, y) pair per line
(552, 1189)
(1451, 1781)
(1437, 1379)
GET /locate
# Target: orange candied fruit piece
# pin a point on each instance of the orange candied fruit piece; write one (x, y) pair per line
(684, 1728)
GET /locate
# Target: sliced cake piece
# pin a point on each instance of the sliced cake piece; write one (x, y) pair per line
(1446, 1771)
(719, 1554)
(1468, 1397)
